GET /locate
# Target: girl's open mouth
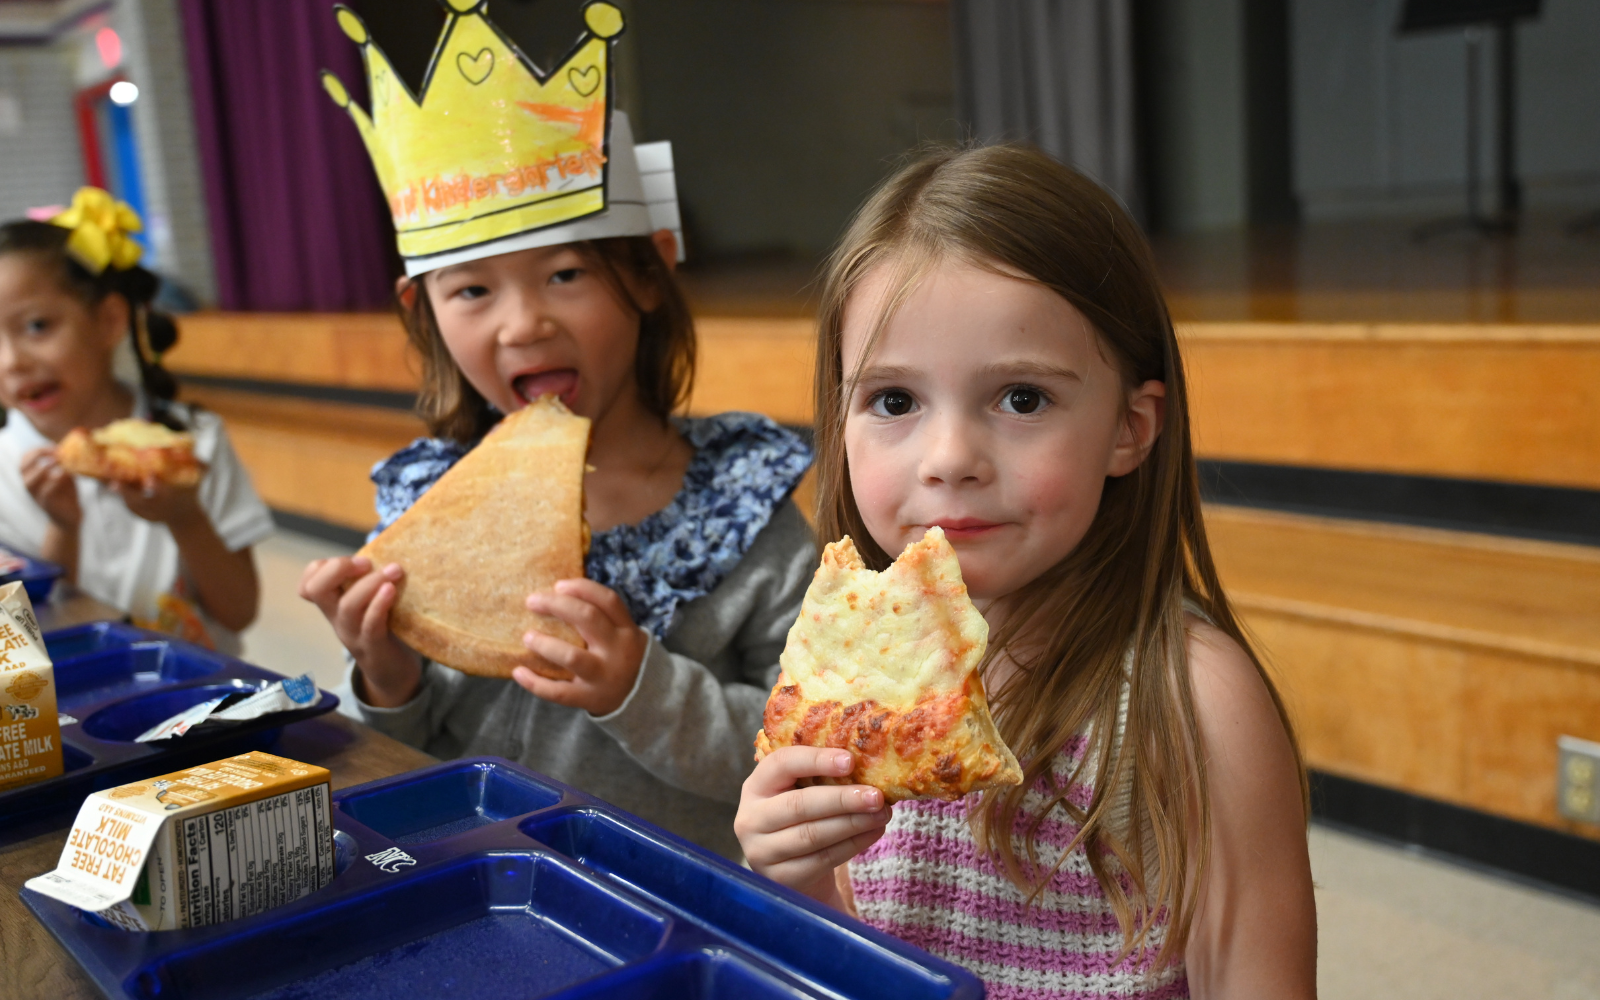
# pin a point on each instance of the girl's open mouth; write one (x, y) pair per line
(39, 396)
(559, 382)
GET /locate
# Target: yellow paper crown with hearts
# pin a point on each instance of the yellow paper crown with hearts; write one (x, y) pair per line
(492, 146)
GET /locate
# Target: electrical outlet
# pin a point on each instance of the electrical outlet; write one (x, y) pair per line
(1578, 779)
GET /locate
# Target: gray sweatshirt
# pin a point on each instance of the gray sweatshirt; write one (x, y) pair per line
(679, 747)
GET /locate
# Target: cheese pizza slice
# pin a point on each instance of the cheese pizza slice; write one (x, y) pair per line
(885, 665)
(505, 521)
(131, 451)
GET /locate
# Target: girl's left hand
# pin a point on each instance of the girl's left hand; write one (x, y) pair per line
(52, 488)
(798, 836)
(603, 674)
(163, 503)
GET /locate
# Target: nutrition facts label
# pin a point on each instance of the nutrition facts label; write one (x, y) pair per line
(240, 861)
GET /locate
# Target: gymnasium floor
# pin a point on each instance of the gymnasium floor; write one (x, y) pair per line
(1393, 923)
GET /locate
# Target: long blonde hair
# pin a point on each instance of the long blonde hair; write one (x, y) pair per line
(1112, 611)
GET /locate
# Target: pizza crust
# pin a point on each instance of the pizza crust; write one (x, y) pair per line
(503, 522)
(131, 451)
(886, 665)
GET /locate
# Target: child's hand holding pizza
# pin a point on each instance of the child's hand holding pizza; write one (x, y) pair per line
(356, 596)
(52, 488)
(175, 505)
(798, 836)
(598, 675)
(879, 700)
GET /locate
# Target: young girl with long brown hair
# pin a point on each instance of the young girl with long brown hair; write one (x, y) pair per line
(996, 358)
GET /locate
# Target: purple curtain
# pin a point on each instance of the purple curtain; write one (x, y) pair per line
(297, 219)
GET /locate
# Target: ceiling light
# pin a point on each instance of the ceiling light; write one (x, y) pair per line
(110, 47)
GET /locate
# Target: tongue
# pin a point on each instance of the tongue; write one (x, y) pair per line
(39, 395)
(562, 383)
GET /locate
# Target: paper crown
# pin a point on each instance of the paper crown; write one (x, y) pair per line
(496, 155)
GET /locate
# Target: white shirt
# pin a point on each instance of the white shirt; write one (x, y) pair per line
(124, 560)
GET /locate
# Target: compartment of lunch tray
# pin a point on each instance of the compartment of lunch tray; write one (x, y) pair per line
(113, 673)
(115, 681)
(486, 925)
(95, 637)
(734, 904)
(124, 720)
(448, 802)
(38, 578)
(73, 759)
(711, 974)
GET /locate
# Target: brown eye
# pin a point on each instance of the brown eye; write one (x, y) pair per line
(1022, 399)
(893, 402)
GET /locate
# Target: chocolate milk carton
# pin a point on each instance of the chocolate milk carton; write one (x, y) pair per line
(199, 846)
(30, 730)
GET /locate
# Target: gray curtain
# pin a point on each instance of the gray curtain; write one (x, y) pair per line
(1057, 73)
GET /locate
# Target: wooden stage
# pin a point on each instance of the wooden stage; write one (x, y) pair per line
(1440, 663)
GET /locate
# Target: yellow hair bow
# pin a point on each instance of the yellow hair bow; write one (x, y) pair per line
(100, 226)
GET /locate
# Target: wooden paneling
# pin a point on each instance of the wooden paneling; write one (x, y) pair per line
(1513, 711)
(308, 457)
(354, 350)
(1535, 598)
(760, 365)
(1373, 705)
(1440, 663)
(1518, 403)
(1513, 403)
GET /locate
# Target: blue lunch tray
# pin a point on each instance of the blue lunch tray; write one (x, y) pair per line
(116, 681)
(38, 577)
(481, 879)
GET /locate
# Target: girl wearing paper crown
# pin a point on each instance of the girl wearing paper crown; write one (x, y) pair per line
(539, 245)
(73, 299)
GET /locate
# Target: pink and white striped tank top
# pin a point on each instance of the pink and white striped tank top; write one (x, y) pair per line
(927, 881)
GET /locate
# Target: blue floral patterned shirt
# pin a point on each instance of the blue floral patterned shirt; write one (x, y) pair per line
(744, 466)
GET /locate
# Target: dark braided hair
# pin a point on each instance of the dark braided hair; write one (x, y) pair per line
(153, 333)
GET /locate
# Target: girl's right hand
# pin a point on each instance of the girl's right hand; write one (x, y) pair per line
(356, 597)
(52, 488)
(798, 836)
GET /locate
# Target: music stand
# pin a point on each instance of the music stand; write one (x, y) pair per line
(1472, 16)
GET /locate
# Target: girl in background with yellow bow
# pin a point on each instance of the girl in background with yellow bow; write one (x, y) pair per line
(179, 558)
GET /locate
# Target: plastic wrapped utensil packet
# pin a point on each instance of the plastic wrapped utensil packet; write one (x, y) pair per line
(30, 729)
(288, 695)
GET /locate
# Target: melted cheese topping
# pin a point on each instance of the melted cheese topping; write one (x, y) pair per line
(885, 665)
(136, 433)
(892, 637)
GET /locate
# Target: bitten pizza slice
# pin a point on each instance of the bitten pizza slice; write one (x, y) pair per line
(131, 451)
(503, 522)
(886, 665)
